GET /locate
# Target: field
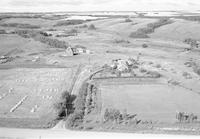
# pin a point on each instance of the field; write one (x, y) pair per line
(41, 89)
(180, 29)
(44, 55)
(157, 102)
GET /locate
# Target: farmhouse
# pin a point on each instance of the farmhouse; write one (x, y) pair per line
(76, 51)
(119, 64)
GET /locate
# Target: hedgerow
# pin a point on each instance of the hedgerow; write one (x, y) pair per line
(142, 32)
(79, 107)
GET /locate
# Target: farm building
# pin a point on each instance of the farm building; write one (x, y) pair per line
(119, 64)
(76, 51)
(69, 51)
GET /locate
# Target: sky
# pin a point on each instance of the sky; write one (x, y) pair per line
(97, 5)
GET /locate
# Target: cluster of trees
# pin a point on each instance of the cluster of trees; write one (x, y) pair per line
(77, 116)
(116, 116)
(190, 18)
(2, 31)
(19, 25)
(145, 45)
(186, 117)
(83, 105)
(112, 114)
(24, 33)
(153, 74)
(91, 27)
(51, 42)
(128, 20)
(187, 75)
(129, 68)
(161, 22)
(195, 66)
(82, 26)
(121, 41)
(192, 42)
(90, 98)
(65, 105)
(138, 34)
(37, 36)
(69, 22)
(142, 32)
(6, 16)
(196, 69)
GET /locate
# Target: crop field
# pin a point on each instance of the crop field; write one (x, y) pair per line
(27, 96)
(151, 102)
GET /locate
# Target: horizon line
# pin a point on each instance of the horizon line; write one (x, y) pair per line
(103, 11)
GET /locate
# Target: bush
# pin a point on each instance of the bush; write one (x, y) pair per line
(146, 30)
(60, 109)
(69, 22)
(158, 66)
(154, 74)
(144, 45)
(83, 26)
(117, 116)
(138, 35)
(51, 29)
(91, 27)
(187, 75)
(74, 119)
(121, 41)
(128, 20)
(196, 69)
(80, 100)
(118, 73)
(72, 32)
(142, 70)
(112, 114)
